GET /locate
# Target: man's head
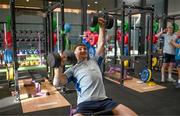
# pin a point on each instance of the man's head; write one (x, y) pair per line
(80, 52)
(169, 28)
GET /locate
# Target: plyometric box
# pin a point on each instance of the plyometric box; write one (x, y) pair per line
(38, 103)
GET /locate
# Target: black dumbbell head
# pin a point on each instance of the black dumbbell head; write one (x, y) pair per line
(54, 60)
(93, 19)
(71, 59)
(109, 22)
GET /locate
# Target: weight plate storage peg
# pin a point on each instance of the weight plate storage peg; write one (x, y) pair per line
(154, 61)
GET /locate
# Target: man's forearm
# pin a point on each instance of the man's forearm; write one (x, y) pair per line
(59, 77)
(159, 34)
(176, 45)
(101, 37)
(101, 42)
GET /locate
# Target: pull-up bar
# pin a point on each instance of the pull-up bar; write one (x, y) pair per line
(124, 7)
(149, 8)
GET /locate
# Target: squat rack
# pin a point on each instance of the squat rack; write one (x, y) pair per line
(46, 29)
(122, 15)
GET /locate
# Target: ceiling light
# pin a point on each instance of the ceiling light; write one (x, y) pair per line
(88, 5)
(96, 2)
(27, 0)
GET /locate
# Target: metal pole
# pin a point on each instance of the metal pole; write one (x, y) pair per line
(15, 61)
(62, 26)
(115, 41)
(48, 30)
(165, 12)
(115, 34)
(122, 43)
(151, 39)
(83, 15)
(45, 3)
(57, 32)
(141, 47)
(51, 32)
(129, 33)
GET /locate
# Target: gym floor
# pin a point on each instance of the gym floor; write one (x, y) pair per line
(159, 102)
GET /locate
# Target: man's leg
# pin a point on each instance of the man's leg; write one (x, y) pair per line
(78, 114)
(178, 81)
(164, 65)
(123, 111)
(170, 68)
(178, 74)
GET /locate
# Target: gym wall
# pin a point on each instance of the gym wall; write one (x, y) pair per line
(32, 21)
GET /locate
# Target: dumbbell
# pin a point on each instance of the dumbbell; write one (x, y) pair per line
(54, 59)
(109, 21)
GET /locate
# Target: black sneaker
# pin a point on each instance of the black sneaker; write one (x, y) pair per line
(178, 86)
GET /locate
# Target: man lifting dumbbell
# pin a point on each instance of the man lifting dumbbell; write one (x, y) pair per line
(87, 76)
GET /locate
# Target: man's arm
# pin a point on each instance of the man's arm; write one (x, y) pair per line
(161, 32)
(174, 43)
(100, 45)
(59, 77)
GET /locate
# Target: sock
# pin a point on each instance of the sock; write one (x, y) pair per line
(169, 75)
(56, 81)
(162, 77)
(178, 80)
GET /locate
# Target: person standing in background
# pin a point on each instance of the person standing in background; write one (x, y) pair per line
(168, 52)
(176, 43)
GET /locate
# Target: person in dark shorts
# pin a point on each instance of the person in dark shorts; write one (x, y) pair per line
(168, 52)
(87, 78)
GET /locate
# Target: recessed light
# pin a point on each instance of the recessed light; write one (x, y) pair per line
(27, 0)
(95, 2)
(88, 5)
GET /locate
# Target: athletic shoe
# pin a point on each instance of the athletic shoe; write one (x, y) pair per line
(162, 80)
(171, 80)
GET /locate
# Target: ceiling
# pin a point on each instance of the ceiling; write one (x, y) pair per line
(67, 3)
(102, 4)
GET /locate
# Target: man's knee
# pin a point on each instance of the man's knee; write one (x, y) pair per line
(123, 110)
(78, 114)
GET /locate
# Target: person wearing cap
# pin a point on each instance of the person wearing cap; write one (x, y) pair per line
(168, 52)
(87, 78)
(176, 43)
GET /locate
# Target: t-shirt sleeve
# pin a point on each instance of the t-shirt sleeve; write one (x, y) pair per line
(99, 60)
(69, 74)
(175, 36)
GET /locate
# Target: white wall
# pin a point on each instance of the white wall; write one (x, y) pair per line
(174, 8)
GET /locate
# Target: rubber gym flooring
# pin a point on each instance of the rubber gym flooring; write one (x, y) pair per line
(160, 102)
